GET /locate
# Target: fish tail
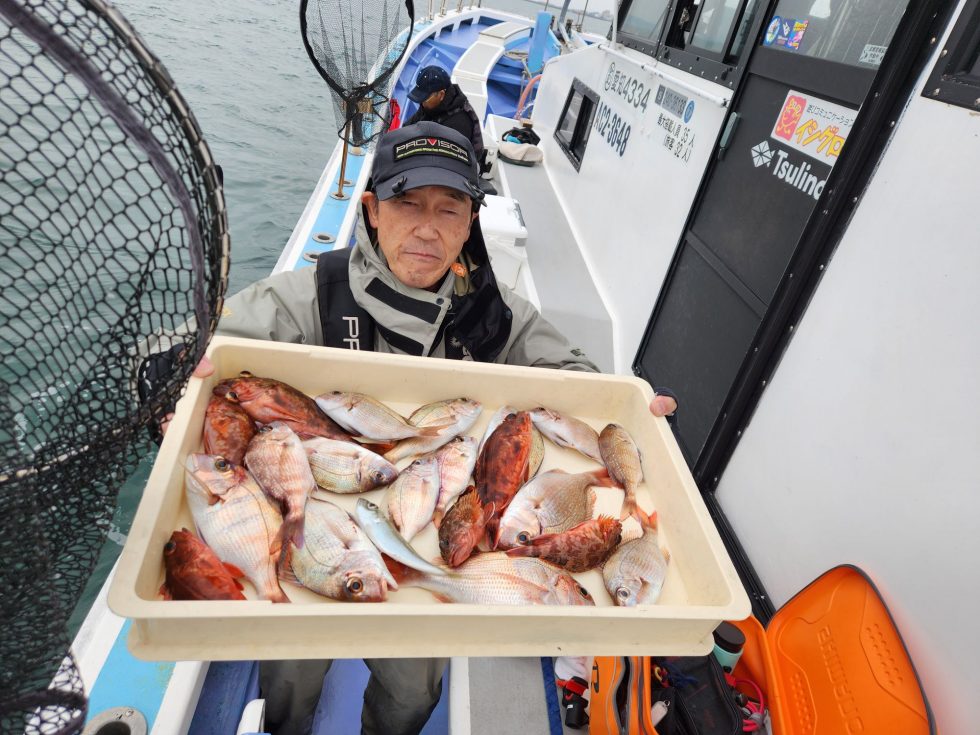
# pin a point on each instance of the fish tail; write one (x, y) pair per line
(521, 551)
(292, 529)
(277, 595)
(630, 509)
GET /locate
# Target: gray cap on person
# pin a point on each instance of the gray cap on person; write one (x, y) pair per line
(425, 154)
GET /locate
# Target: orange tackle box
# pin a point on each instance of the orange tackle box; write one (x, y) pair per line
(831, 662)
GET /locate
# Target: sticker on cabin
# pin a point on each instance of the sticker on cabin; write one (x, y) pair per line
(772, 31)
(788, 169)
(612, 128)
(872, 54)
(674, 102)
(786, 33)
(678, 138)
(813, 126)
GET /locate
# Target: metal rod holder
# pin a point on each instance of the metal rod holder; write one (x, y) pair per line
(459, 6)
(442, 9)
(343, 164)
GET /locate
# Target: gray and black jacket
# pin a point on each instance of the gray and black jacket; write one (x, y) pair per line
(286, 308)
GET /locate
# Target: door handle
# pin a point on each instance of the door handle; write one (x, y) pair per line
(727, 133)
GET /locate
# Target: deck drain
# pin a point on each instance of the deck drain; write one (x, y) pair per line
(324, 237)
(311, 256)
(339, 197)
(117, 721)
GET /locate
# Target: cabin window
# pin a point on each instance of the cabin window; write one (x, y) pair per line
(709, 37)
(641, 23)
(855, 32)
(956, 77)
(575, 122)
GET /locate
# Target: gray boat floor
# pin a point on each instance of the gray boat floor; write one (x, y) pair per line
(506, 696)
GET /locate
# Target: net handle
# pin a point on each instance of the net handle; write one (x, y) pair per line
(350, 94)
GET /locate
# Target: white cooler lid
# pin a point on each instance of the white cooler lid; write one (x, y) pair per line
(502, 216)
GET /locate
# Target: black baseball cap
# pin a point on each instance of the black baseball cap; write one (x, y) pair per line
(431, 79)
(424, 154)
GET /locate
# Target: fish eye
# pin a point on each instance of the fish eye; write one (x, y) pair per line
(170, 547)
(369, 504)
(232, 396)
(245, 374)
(336, 393)
(623, 593)
(378, 476)
(221, 464)
(584, 592)
(265, 429)
(443, 543)
(523, 537)
(354, 585)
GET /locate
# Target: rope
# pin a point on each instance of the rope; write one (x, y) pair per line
(551, 696)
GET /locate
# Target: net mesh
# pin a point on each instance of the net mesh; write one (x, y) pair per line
(355, 45)
(112, 229)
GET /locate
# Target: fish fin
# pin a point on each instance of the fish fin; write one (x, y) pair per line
(647, 520)
(165, 592)
(381, 448)
(233, 570)
(437, 517)
(401, 573)
(284, 566)
(391, 581)
(665, 553)
(604, 479)
(520, 551)
(319, 493)
(435, 429)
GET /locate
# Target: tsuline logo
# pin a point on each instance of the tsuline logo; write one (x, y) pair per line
(761, 154)
(796, 175)
(432, 146)
(353, 338)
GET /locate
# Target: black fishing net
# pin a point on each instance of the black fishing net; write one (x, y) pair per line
(112, 229)
(355, 45)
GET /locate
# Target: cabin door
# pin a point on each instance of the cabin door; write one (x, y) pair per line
(806, 80)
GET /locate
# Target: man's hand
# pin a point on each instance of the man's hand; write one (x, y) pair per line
(663, 406)
(204, 368)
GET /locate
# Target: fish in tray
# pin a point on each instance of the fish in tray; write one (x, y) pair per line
(496, 579)
(346, 467)
(370, 419)
(236, 519)
(277, 460)
(567, 431)
(503, 466)
(194, 572)
(463, 527)
(578, 549)
(387, 539)
(634, 573)
(338, 560)
(456, 462)
(455, 416)
(267, 400)
(412, 497)
(537, 441)
(227, 429)
(552, 502)
(622, 459)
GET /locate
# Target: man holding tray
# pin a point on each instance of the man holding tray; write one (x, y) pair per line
(417, 281)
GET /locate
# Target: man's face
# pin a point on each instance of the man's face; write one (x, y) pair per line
(421, 232)
(433, 100)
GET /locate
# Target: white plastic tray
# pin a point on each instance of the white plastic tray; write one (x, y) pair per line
(702, 587)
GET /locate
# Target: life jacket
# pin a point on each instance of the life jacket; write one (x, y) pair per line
(480, 321)
(454, 103)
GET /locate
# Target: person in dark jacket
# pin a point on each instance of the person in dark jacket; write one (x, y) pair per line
(443, 102)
